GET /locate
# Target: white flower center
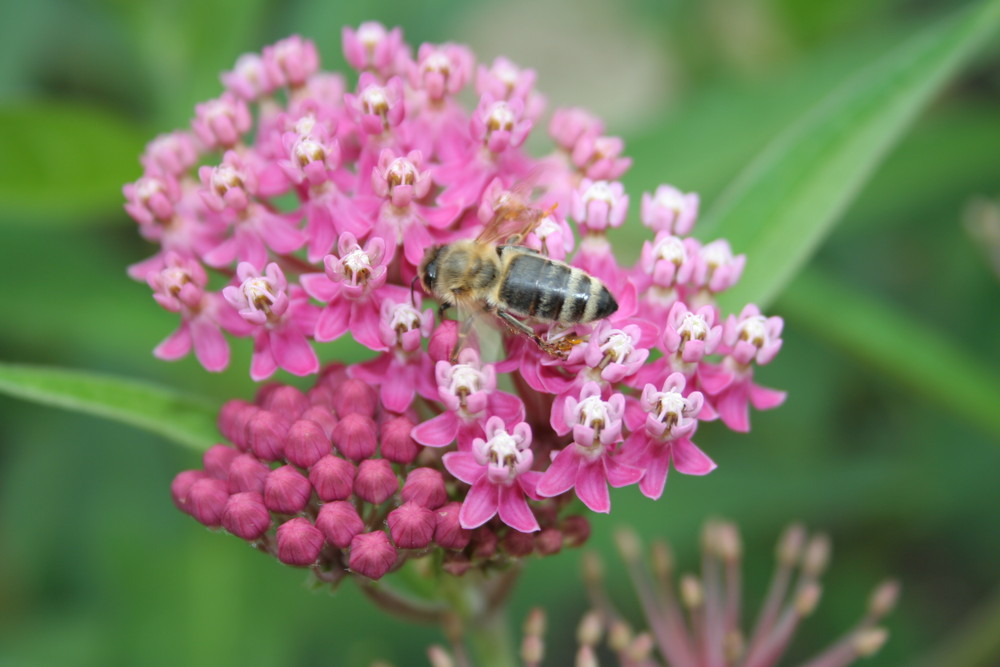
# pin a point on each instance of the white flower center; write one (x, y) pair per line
(599, 191)
(618, 345)
(593, 412)
(401, 172)
(670, 407)
(671, 249)
(225, 178)
(438, 62)
(501, 117)
(304, 126)
(374, 100)
(259, 293)
(716, 255)
(670, 199)
(503, 449)
(465, 379)
(693, 327)
(370, 34)
(309, 150)
(754, 329)
(148, 188)
(357, 264)
(404, 318)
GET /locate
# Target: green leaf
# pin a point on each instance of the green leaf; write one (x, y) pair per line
(892, 344)
(184, 419)
(780, 208)
(64, 162)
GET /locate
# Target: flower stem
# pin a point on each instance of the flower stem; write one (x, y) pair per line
(490, 642)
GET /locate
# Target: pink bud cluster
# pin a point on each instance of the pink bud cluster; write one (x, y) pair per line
(332, 479)
(296, 210)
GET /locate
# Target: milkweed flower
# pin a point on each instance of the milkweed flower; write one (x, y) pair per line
(295, 212)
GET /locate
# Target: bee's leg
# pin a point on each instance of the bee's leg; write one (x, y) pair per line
(520, 327)
(442, 309)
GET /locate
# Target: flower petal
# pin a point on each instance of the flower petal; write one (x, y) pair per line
(480, 504)
(689, 459)
(463, 466)
(619, 474)
(514, 510)
(592, 487)
(561, 474)
(176, 345)
(437, 431)
(655, 479)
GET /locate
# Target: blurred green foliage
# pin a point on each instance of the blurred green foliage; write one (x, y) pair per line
(888, 439)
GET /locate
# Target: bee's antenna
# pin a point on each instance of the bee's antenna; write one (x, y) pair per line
(413, 300)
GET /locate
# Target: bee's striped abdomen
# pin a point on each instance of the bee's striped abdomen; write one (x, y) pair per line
(535, 286)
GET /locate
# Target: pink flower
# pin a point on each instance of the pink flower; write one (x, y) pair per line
(469, 394)
(589, 463)
(282, 318)
(180, 287)
(290, 61)
(222, 122)
(441, 70)
(504, 80)
(372, 47)
(499, 471)
(599, 157)
(570, 125)
(249, 79)
(717, 269)
(665, 435)
(598, 205)
(669, 210)
(172, 153)
(377, 108)
(348, 288)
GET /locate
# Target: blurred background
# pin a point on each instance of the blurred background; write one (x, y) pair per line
(98, 568)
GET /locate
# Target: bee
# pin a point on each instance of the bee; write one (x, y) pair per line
(495, 274)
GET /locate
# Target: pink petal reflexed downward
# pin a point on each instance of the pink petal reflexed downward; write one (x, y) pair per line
(463, 466)
(514, 510)
(293, 352)
(619, 474)
(262, 366)
(592, 487)
(561, 474)
(210, 345)
(689, 459)
(480, 504)
(319, 287)
(733, 407)
(437, 431)
(655, 479)
(333, 320)
(765, 398)
(364, 325)
(397, 390)
(176, 345)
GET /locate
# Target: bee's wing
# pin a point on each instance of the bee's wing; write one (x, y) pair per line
(479, 330)
(516, 217)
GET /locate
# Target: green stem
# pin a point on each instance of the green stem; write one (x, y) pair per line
(491, 643)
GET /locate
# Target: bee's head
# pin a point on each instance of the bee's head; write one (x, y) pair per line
(428, 271)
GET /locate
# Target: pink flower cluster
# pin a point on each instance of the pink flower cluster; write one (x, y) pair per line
(315, 201)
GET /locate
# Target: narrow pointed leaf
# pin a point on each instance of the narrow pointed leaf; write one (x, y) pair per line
(184, 419)
(781, 207)
(892, 344)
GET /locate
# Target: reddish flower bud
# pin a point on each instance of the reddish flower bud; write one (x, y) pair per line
(321, 396)
(333, 478)
(549, 541)
(286, 401)
(575, 530)
(237, 430)
(443, 341)
(397, 445)
(332, 376)
(354, 436)
(181, 486)
(286, 490)
(246, 516)
(355, 397)
(266, 435)
(519, 544)
(456, 564)
(484, 542)
(306, 443)
(299, 542)
(375, 482)
(322, 415)
(411, 526)
(246, 473)
(372, 554)
(217, 459)
(448, 532)
(339, 522)
(232, 420)
(206, 499)
(425, 487)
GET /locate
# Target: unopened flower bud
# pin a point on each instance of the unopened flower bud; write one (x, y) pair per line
(306, 443)
(230, 422)
(397, 445)
(439, 657)
(322, 415)
(181, 486)
(217, 459)
(619, 636)
(456, 564)
(590, 629)
(627, 541)
(375, 482)
(246, 516)
(816, 556)
(299, 542)
(884, 598)
(206, 499)
(287, 401)
(286, 490)
(321, 396)
(807, 598)
(640, 649)
(339, 522)
(448, 532)
(484, 542)
(532, 650)
(411, 526)
(518, 544)
(333, 478)
(593, 569)
(575, 530)
(535, 623)
(869, 641)
(425, 487)
(586, 657)
(790, 545)
(246, 473)
(662, 560)
(266, 435)
(354, 436)
(355, 397)
(372, 555)
(549, 541)
(691, 591)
